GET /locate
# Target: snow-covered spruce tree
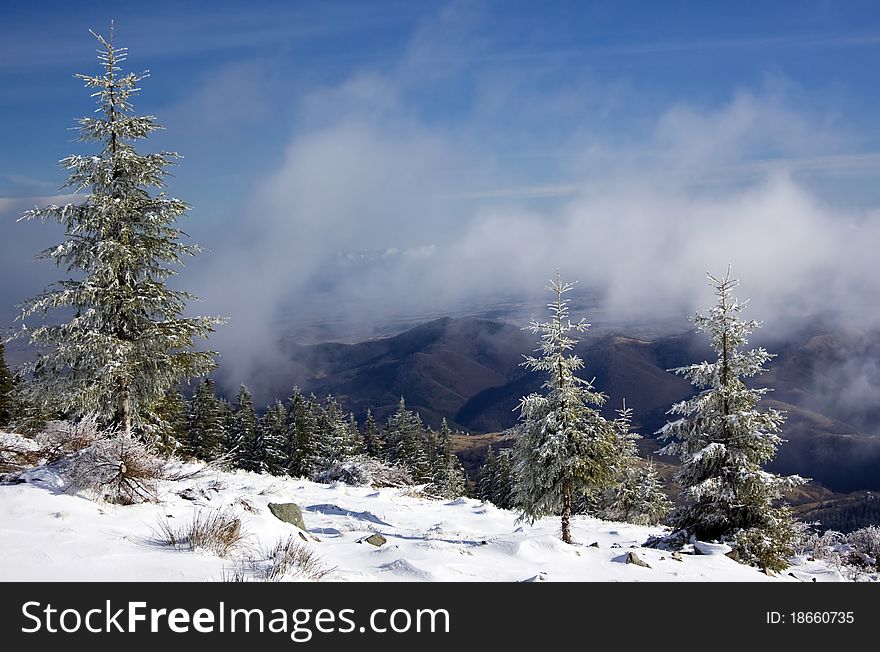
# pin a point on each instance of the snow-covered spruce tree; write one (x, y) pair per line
(405, 442)
(372, 445)
(248, 446)
(724, 440)
(207, 424)
(503, 481)
(310, 436)
(336, 441)
(486, 476)
(7, 384)
(296, 426)
(126, 341)
(449, 478)
(564, 446)
(171, 417)
(355, 443)
(273, 426)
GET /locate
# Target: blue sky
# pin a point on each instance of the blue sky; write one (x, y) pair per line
(387, 155)
(259, 61)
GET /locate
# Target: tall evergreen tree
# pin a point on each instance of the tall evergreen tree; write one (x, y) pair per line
(310, 436)
(127, 341)
(564, 446)
(207, 427)
(7, 385)
(172, 421)
(295, 424)
(405, 442)
(502, 484)
(355, 442)
(338, 440)
(487, 475)
(249, 447)
(372, 445)
(724, 440)
(274, 432)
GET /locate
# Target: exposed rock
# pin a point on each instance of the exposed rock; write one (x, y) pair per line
(374, 540)
(595, 544)
(676, 556)
(289, 513)
(633, 558)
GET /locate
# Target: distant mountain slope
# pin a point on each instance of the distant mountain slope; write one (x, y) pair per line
(437, 367)
(468, 371)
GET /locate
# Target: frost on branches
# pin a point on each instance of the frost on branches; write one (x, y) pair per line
(637, 496)
(723, 441)
(564, 446)
(126, 342)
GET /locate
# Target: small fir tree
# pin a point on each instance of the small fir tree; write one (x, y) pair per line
(564, 446)
(637, 494)
(449, 479)
(724, 440)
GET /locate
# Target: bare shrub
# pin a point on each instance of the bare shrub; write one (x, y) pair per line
(116, 469)
(864, 546)
(17, 453)
(63, 438)
(366, 471)
(217, 531)
(290, 559)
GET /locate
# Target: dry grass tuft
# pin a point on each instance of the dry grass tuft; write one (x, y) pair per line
(216, 531)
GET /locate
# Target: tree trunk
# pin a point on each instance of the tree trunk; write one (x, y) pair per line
(123, 411)
(566, 515)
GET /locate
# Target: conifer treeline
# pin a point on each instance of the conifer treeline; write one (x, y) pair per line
(304, 437)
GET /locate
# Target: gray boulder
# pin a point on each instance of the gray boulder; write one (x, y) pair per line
(289, 513)
(633, 558)
(374, 540)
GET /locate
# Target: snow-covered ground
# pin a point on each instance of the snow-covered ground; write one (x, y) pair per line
(46, 534)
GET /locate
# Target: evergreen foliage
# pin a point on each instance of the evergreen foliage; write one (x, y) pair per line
(7, 385)
(405, 443)
(172, 422)
(274, 429)
(564, 446)
(248, 445)
(449, 478)
(485, 478)
(207, 428)
(126, 342)
(637, 494)
(310, 445)
(372, 445)
(724, 440)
